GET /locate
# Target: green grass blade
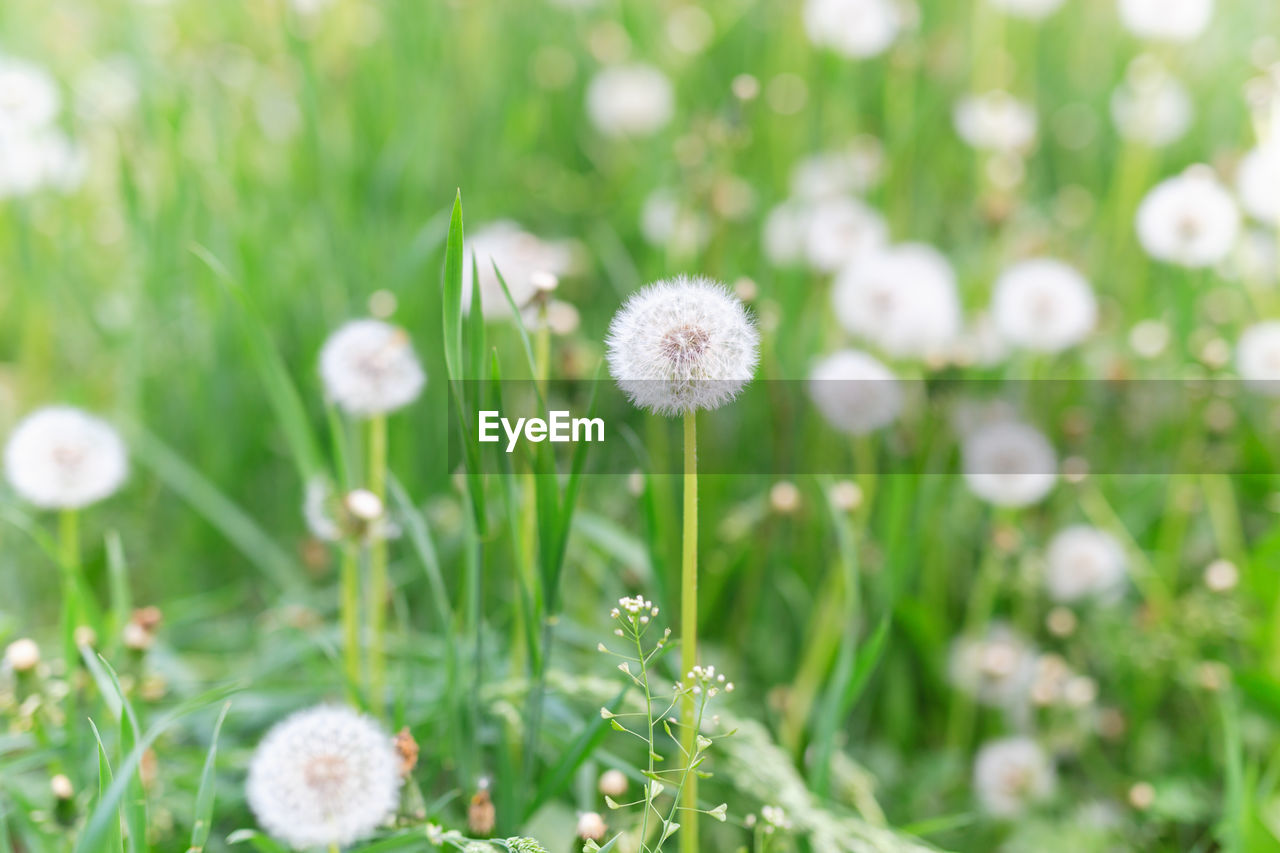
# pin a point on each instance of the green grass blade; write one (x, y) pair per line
(203, 820)
(453, 292)
(113, 842)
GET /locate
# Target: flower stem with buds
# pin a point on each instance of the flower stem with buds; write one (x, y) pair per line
(378, 583)
(689, 627)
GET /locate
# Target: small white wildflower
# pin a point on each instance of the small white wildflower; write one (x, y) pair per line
(1166, 20)
(1010, 774)
(1033, 9)
(855, 28)
(22, 655)
(855, 392)
(591, 826)
(682, 344)
(29, 98)
(1257, 180)
(324, 776)
(996, 669)
(1084, 562)
(786, 229)
(1151, 106)
(667, 222)
(521, 257)
(60, 457)
(107, 91)
(841, 231)
(1221, 575)
(995, 121)
(903, 299)
(853, 169)
(1009, 464)
(1189, 220)
(613, 783)
(1043, 305)
(1258, 357)
(369, 368)
(630, 100)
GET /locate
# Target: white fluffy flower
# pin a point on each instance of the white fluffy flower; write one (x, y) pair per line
(519, 255)
(1189, 220)
(1151, 106)
(1258, 183)
(1166, 20)
(324, 776)
(840, 231)
(666, 222)
(853, 169)
(682, 344)
(996, 669)
(62, 458)
(1009, 463)
(995, 121)
(107, 91)
(38, 159)
(855, 28)
(901, 298)
(1010, 774)
(855, 392)
(630, 100)
(786, 229)
(1258, 357)
(29, 98)
(1034, 9)
(1084, 562)
(1043, 305)
(369, 368)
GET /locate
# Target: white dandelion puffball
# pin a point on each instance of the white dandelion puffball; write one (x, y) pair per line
(107, 91)
(1151, 106)
(519, 256)
(842, 230)
(682, 344)
(1010, 774)
(667, 222)
(902, 298)
(855, 392)
(1258, 183)
(324, 776)
(1190, 220)
(1258, 357)
(630, 100)
(1043, 305)
(62, 458)
(29, 98)
(1009, 464)
(369, 368)
(1084, 562)
(786, 229)
(995, 669)
(1166, 20)
(854, 169)
(855, 28)
(995, 121)
(1033, 9)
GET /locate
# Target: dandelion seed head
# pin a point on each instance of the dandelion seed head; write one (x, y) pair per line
(22, 655)
(1151, 106)
(666, 221)
(1256, 183)
(855, 392)
(842, 231)
(852, 169)
(996, 669)
(1084, 562)
(630, 100)
(786, 229)
(858, 29)
(60, 457)
(1166, 20)
(995, 121)
(29, 98)
(681, 345)
(1043, 305)
(525, 260)
(1010, 774)
(326, 775)
(903, 299)
(1009, 464)
(369, 368)
(1190, 220)
(1258, 357)
(1032, 9)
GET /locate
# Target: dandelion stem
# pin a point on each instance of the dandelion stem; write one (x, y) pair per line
(69, 563)
(689, 626)
(350, 606)
(378, 584)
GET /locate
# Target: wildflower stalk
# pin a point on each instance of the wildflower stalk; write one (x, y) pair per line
(689, 625)
(350, 606)
(69, 562)
(378, 584)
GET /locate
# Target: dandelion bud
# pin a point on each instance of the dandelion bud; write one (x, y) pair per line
(60, 785)
(846, 495)
(613, 783)
(481, 815)
(407, 749)
(85, 637)
(1221, 576)
(1142, 796)
(364, 505)
(22, 655)
(784, 497)
(591, 826)
(136, 638)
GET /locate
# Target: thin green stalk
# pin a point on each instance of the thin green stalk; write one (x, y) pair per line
(378, 583)
(69, 563)
(689, 627)
(350, 606)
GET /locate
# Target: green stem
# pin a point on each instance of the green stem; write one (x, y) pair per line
(378, 583)
(689, 627)
(69, 564)
(350, 606)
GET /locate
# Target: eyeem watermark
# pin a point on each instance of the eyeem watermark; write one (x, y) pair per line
(559, 428)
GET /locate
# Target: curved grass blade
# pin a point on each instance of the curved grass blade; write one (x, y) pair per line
(203, 821)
